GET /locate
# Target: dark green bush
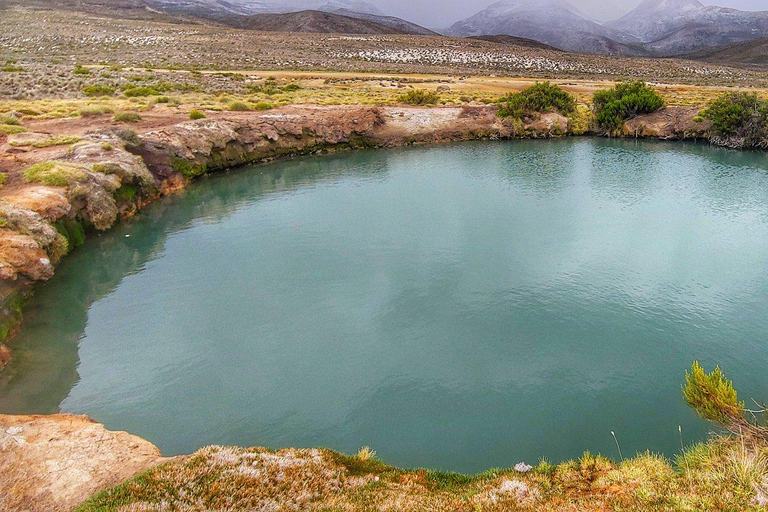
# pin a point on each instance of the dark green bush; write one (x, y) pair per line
(239, 106)
(81, 70)
(98, 90)
(624, 101)
(739, 119)
(542, 97)
(420, 97)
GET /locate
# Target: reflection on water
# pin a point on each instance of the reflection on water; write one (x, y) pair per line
(455, 307)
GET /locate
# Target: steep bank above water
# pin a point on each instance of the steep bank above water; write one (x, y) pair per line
(112, 172)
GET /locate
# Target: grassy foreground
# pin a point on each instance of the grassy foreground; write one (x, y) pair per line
(725, 473)
(722, 474)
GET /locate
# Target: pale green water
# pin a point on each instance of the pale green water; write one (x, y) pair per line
(454, 307)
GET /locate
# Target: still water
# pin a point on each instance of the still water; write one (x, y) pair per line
(455, 307)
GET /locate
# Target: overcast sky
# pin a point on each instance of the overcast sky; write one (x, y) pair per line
(442, 13)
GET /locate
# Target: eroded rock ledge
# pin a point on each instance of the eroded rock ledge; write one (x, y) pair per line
(53, 463)
(112, 173)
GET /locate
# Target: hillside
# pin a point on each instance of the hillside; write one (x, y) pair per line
(749, 54)
(310, 21)
(516, 41)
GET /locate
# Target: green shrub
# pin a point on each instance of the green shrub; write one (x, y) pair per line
(188, 169)
(624, 101)
(541, 97)
(127, 117)
(196, 114)
(61, 140)
(712, 395)
(163, 99)
(81, 70)
(140, 92)
(739, 119)
(72, 230)
(263, 105)
(239, 106)
(126, 194)
(98, 90)
(3, 179)
(54, 173)
(9, 119)
(12, 69)
(94, 110)
(7, 129)
(419, 97)
(290, 88)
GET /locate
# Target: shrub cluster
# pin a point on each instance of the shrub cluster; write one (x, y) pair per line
(98, 90)
(624, 101)
(542, 97)
(739, 120)
(420, 97)
(196, 114)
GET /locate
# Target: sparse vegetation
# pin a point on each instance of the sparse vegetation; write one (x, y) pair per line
(419, 97)
(60, 140)
(94, 110)
(55, 173)
(739, 120)
(541, 97)
(7, 129)
(98, 90)
(624, 101)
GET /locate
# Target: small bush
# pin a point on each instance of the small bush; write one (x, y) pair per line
(239, 106)
(419, 97)
(542, 97)
(263, 105)
(12, 69)
(81, 70)
(127, 117)
(196, 114)
(54, 174)
(739, 119)
(93, 91)
(3, 179)
(163, 99)
(711, 395)
(7, 129)
(290, 88)
(9, 119)
(95, 110)
(624, 101)
(140, 92)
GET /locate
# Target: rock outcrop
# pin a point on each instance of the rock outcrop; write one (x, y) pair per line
(53, 463)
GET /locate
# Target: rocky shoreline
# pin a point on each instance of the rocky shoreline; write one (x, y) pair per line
(112, 171)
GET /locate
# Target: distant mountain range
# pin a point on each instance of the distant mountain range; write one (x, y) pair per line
(655, 28)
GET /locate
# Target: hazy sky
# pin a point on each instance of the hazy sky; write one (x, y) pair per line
(442, 13)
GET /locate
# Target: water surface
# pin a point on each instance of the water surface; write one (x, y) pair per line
(454, 307)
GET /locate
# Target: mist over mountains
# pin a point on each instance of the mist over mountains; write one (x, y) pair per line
(655, 28)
